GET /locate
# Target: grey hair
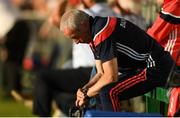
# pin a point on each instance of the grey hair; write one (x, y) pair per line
(72, 19)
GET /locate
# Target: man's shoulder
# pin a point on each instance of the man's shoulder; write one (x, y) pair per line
(98, 24)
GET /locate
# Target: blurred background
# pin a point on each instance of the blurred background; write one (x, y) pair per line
(28, 42)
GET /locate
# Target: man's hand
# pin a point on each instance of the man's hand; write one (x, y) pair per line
(80, 98)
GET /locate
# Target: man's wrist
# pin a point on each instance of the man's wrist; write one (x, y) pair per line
(85, 90)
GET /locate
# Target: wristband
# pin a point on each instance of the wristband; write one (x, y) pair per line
(85, 90)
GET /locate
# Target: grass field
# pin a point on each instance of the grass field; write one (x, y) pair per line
(11, 108)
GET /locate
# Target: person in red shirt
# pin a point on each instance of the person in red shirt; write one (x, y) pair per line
(166, 28)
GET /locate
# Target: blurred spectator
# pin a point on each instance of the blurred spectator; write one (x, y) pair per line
(130, 10)
(15, 43)
(62, 6)
(97, 8)
(7, 20)
(44, 52)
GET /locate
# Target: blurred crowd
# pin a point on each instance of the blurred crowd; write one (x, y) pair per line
(30, 42)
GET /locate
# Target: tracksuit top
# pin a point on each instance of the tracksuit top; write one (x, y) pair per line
(117, 37)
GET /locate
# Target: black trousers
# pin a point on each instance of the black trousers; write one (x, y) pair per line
(135, 83)
(60, 85)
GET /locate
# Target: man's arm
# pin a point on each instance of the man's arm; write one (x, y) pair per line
(109, 73)
(93, 81)
(98, 75)
(109, 70)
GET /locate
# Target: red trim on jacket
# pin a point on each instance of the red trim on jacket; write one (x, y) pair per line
(106, 31)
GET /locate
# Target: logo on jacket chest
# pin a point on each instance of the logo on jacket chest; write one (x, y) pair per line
(123, 23)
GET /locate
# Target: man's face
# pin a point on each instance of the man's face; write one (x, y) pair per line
(77, 36)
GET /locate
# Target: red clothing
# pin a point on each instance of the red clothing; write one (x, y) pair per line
(166, 28)
(174, 101)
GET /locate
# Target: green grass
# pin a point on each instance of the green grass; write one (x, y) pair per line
(11, 108)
